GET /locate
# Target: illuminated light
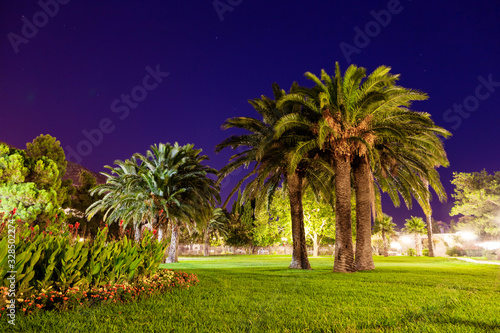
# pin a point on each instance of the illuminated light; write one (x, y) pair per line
(284, 239)
(467, 235)
(406, 239)
(395, 245)
(489, 245)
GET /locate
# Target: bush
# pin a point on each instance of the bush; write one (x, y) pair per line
(55, 269)
(490, 254)
(454, 251)
(411, 252)
(425, 252)
(59, 260)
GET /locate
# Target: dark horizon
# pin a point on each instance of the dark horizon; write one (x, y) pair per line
(109, 80)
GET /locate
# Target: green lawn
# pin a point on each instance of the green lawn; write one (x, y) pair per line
(259, 294)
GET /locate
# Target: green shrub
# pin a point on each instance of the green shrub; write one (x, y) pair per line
(425, 252)
(454, 251)
(411, 252)
(490, 254)
(59, 260)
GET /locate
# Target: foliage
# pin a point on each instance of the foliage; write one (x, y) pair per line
(50, 147)
(477, 197)
(364, 123)
(169, 183)
(30, 180)
(411, 252)
(454, 251)
(60, 260)
(415, 225)
(384, 224)
(241, 224)
(143, 287)
(81, 200)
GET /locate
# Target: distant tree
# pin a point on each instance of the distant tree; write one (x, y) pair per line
(274, 222)
(477, 197)
(50, 147)
(81, 200)
(416, 226)
(386, 227)
(212, 220)
(241, 224)
(32, 184)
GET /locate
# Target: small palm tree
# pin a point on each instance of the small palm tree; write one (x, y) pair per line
(385, 226)
(167, 185)
(416, 226)
(213, 220)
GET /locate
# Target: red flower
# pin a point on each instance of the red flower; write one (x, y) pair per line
(77, 225)
(32, 228)
(154, 231)
(70, 226)
(121, 223)
(50, 232)
(161, 211)
(14, 210)
(56, 216)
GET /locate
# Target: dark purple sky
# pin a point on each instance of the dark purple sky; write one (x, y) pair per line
(70, 72)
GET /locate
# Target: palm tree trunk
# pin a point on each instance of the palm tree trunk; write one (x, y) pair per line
(137, 233)
(315, 245)
(417, 245)
(206, 249)
(384, 239)
(364, 256)
(174, 245)
(344, 253)
(299, 255)
(160, 234)
(428, 217)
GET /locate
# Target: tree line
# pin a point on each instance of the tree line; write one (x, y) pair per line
(341, 143)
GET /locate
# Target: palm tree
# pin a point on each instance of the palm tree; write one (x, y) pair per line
(213, 220)
(168, 184)
(410, 169)
(415, 226)
(354, 115)
(271, 159)
(385, 226)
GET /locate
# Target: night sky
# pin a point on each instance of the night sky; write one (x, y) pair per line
(129, 74)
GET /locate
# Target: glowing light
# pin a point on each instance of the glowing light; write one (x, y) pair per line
(406, 239)
(467, 235)
(395, 245)
(489, 245)
(284, 239)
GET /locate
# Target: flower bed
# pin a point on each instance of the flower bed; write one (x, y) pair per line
(56, 269)
(146, 286)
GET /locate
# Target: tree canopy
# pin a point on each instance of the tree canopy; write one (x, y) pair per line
(477, 198)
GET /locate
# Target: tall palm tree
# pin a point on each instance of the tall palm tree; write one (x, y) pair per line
(168, 184)
(356, 111)
(271, 159)
(385, 226)
(415, 226)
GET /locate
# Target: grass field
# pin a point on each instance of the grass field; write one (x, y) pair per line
(259, 294)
